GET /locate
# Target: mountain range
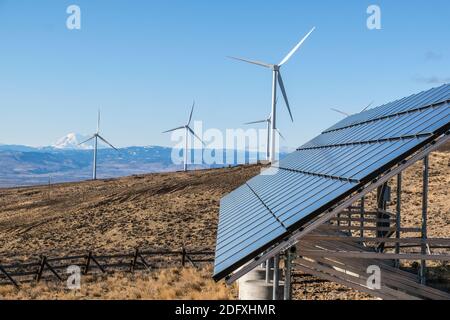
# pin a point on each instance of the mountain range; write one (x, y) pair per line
(68, 161)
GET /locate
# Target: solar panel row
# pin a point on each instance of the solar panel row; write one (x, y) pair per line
(322, 172)
(416, 101)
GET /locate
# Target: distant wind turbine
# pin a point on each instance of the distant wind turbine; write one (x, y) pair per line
(368, 106)
(268, 121)
(348, 114)
(95, 137)
(277, 79)
(341, 112)
(187, 130)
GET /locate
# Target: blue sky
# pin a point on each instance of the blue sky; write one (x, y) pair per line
(142, 63)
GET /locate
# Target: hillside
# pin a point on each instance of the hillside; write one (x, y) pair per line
(164, 210)
(156, 210)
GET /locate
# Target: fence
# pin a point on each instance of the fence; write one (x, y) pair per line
(53, 268)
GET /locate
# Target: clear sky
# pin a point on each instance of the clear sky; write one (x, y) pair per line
(143, 62)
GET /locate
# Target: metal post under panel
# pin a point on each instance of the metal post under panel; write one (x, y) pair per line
(362, 217)
(276, 274)
(423, 266)
(269, 265)
(398, 216)
(288, 273)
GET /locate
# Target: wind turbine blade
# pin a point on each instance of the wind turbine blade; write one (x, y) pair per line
(290, 54)
(282, 137)
(87, 140)
(98, 121)
(341, 112)
(255, 122)
(192, 112)
(370, 104)
(192, 131)
(171, 130)
(283, 90)
(262, 64)
(109, 144)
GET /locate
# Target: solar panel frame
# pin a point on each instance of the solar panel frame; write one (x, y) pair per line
(295, 216)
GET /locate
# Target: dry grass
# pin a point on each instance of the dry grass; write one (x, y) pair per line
(169, 284)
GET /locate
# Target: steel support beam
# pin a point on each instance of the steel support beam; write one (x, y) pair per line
(423, 263)
(288, 273)
(398, 216)
(300, 233)
(363, 200)
(269, 265)
(276, 276)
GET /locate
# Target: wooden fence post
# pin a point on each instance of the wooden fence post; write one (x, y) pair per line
(98, 264)
(9, 277)
(183, 256)
(52, 270)
(133, 262)
(144, 262)
(88, 262)
(41, 268)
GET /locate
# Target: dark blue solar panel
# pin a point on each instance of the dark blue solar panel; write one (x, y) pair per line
(324, 171)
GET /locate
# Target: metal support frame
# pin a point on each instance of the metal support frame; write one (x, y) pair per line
(363, 200)
(294, 238)
(423, 263)
(383, 228)
(289, 256)
(398, 216)
(269, 265)
(276, 276)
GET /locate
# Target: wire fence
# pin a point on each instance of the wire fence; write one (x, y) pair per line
(55, 268)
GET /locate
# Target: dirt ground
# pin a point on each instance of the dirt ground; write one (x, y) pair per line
(149, 211)
(163, 210)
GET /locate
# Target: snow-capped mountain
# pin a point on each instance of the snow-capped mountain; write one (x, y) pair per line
(72, 142)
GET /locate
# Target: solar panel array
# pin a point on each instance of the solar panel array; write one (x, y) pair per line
(324, 171)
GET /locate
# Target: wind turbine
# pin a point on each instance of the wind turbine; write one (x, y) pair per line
(187, 130)
(95, 137)
(341, 112)
(277, 80)
(347, 114)
(268, 121)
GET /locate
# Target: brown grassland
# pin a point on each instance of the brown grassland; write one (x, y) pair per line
(161, 210)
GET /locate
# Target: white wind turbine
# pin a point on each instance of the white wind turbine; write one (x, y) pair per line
(277, 79)
(268, 121)
(346, 114)
(187, 130)
(95, 137)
